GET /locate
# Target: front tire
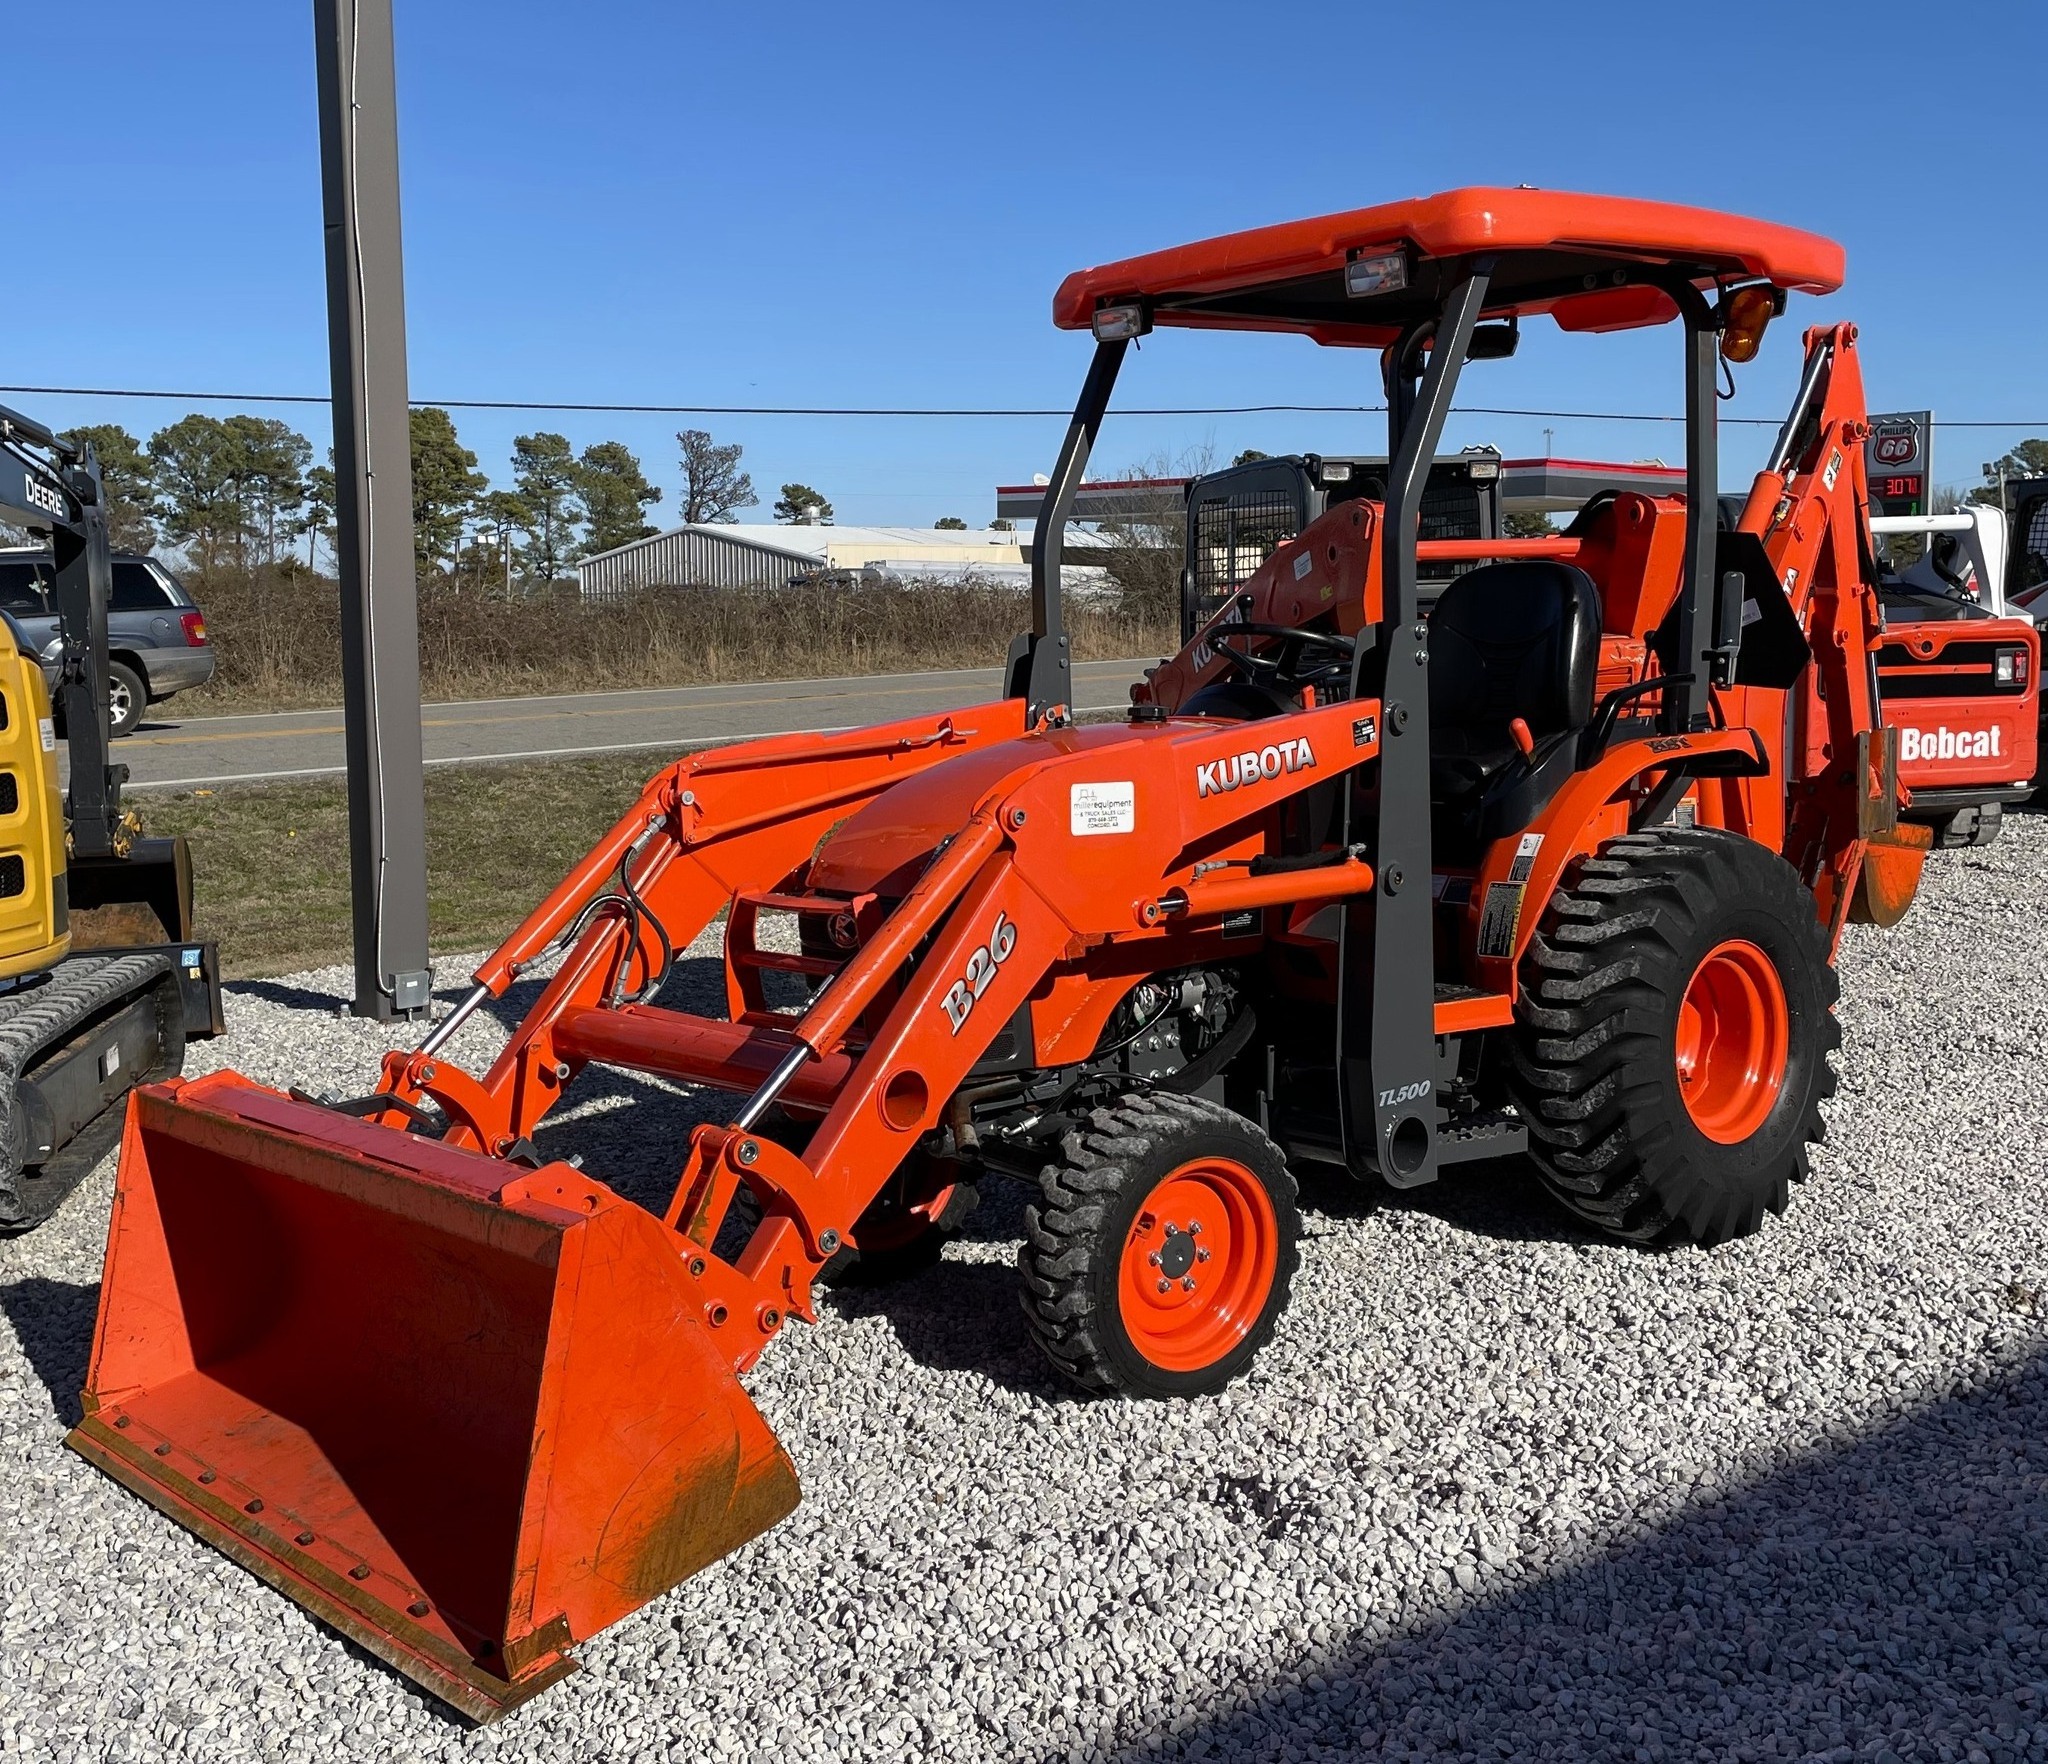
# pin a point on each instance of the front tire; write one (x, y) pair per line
(1160, 1258)
(1672, 1040)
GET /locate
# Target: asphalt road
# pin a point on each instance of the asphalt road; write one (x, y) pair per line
(170, 752)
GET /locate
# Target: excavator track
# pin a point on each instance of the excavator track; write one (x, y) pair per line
(72, 1045)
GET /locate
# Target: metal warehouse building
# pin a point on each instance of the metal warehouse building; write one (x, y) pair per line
(730, 555)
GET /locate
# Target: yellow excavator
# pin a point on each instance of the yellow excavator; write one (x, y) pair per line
(101, 980)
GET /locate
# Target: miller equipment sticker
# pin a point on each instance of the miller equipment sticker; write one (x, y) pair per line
(1525, 857)
(1103, 808)
(1497, 918)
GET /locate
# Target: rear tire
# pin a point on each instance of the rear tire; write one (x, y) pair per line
(1672, 1040)
(1160, 1258)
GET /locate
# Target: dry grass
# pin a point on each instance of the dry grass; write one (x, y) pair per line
(272, 870)
(277, 631)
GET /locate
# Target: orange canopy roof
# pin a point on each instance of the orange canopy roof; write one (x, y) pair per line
(1577, 257)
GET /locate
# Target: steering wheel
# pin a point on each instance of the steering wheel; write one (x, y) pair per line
(1285, 669)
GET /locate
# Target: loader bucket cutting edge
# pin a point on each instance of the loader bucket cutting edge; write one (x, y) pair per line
(465, 1412)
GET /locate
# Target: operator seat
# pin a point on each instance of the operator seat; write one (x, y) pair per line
(1513, 639)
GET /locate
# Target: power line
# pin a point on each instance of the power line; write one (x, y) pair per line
(951, 412)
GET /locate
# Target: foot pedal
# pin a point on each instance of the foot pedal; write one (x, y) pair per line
(1494, 1134)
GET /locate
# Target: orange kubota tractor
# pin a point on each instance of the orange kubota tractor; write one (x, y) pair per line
(1559, 868)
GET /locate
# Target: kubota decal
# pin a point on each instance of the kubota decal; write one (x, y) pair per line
(1254, 765)
(982, 964)
(1405, 1093)
(1942, 742)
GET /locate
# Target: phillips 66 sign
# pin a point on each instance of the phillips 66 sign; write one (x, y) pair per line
(1898, 459)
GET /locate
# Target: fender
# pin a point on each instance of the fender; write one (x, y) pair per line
(1574, 811)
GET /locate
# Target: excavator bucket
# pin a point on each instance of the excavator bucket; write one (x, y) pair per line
(1890, 874)
(466, 1412)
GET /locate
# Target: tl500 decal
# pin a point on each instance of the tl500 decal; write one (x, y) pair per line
(1254, 765)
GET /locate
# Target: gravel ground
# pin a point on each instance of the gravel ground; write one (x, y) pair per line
(1499, 1489)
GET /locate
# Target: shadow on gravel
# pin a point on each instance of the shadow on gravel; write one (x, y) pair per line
(960, 1316)
(1503, 1200)
(53, 1320)
(1889, 1597)
(292, 998)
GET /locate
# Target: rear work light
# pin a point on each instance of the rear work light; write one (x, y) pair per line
(2009, 668)
(1385, 274)
(1118, 324)
(195, 628)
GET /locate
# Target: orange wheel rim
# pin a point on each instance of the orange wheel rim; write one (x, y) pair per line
(1198, 1264)
(1734, 1035)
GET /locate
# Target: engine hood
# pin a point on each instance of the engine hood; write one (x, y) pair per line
(883, 848)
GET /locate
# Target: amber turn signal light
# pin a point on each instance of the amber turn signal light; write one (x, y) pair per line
(1749, 312)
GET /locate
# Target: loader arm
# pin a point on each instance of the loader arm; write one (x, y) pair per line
(710, 825)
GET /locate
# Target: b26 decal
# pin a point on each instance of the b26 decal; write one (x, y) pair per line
(982, 964)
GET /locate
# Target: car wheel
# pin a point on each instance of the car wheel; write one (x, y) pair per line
(127, 698)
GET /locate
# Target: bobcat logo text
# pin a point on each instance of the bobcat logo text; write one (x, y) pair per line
(1942, 743)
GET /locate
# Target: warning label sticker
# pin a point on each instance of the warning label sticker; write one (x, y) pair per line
(1103, 808)
(1305, 562)
(1497, 918)
(1525, 857)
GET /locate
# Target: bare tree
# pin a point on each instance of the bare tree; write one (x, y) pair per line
(714, 487)
(1147, 546)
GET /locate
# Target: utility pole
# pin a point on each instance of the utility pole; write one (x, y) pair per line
(373, 541)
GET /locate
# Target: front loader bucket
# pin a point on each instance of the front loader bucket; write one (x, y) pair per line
(466, 1412)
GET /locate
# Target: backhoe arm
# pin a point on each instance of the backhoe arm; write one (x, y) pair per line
(1810, 507)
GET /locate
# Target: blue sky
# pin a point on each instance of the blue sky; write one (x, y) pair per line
(872, 205)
